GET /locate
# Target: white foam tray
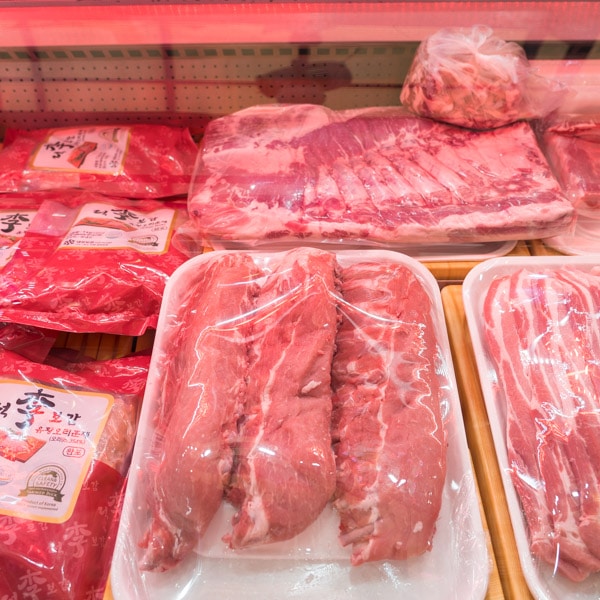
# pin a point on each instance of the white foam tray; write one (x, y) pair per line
(542, 582)
(313, 565)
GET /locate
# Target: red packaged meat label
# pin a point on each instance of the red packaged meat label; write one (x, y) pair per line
(90, 150)
(13, 225)
(44, 486)
(138, 161)
(101, 226)
(93, 264)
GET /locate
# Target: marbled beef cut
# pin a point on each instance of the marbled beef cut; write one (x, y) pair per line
(541, 328)
(376, 175)
(389, 437)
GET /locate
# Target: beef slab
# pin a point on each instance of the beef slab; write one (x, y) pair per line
(541, 330)
(387, 426)
(285, 471)
(375, 175)
(202, 398)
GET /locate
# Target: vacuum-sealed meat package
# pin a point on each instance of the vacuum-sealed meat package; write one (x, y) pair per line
(91, 263)
(572, 144)
(283, 174)
(471, 78)
(132, 161)
(300, 431)
(65, 446)
(16, 213)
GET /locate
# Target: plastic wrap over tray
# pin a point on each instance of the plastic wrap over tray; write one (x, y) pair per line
(536, 332)
(572, 144)
(373, 177)
(301, 436)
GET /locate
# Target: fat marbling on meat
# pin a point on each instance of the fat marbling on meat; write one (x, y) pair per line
(285, 470)
(388, 431)
(306, 173)
(541, 329)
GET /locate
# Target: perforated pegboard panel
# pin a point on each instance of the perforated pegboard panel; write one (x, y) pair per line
(57, 86)
(190, 84)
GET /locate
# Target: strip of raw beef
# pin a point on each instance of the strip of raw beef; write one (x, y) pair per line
(285, 472)
(572, 145)
(203, 396)
(389, 436)
(541, 329)
(378, 175)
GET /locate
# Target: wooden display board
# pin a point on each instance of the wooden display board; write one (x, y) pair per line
(481, 444)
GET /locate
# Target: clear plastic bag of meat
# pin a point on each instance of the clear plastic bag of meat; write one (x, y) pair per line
(572, 144)
(301, 424)
(471, 78)
(133, 161)
(66, 438)
(535, 326)
(92, 263)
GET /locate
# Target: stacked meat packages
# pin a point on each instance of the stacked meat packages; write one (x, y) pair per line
(87, 217)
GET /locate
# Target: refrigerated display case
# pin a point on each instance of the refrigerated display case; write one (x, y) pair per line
(186, 63)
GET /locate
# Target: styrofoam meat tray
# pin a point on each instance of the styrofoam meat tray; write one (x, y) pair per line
(542, 582)
(583, 240)
(312, 565)
(472, 251)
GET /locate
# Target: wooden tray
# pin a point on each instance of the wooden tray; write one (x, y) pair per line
(456, 271)
(538, 248)
(481, 444)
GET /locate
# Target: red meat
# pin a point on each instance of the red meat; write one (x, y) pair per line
(389, 436)
(202, 397)
(541, 332)
(285, 471)
(378, 175)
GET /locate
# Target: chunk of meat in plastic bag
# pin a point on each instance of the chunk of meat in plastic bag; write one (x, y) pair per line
(471, 78)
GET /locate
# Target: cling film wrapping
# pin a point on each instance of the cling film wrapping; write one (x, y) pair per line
(299, 422)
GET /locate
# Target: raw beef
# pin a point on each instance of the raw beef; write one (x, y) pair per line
(390, 442)
(542, 332)
(374, 176)
(285, 471)
(471, 78)
(202, 397)
(572, 144)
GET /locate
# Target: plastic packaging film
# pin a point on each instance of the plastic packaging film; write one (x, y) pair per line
(471, 78)
(92, 263)
(536, 333)
(66, 437)
(134, 161)
(260, 467)
(306, 174)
